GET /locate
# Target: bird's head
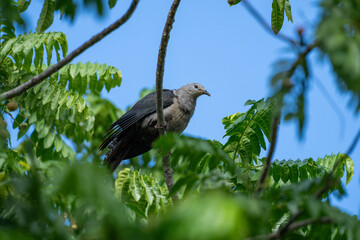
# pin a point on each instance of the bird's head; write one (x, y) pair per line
(196, 89)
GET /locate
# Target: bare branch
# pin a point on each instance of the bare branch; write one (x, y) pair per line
(300, 58)
(263, 23)
(54, 68)
(274, 130)
(167, 171)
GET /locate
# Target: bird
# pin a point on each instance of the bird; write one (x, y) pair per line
(135, 131)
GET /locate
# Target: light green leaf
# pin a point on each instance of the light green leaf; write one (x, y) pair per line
(349, 166)
(135, 186)
(145, 182)
(49, 140)
(80, 104)
(58, 143)
(288, 11)
(44, 131)
(122, 178)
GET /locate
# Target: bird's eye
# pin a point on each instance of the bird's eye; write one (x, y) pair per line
(196, 86)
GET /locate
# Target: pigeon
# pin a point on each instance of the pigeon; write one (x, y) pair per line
(134, 132)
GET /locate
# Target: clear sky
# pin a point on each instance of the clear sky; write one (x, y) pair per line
(226, 50)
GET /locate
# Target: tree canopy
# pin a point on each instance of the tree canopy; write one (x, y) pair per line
(55, 186)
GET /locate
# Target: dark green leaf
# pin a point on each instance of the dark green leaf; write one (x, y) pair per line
(277, 17)
(46, 16)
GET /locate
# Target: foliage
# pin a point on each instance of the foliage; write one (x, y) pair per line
(246, 130)
(141, 193)
(279, 9)
(53, 185)
(10, 10)
(338, 36)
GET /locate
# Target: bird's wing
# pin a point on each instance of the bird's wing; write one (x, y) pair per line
(141, 109)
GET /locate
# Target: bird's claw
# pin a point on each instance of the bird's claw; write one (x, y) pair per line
(165, 125)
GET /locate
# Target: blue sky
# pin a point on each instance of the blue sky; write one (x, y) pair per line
(226, 50)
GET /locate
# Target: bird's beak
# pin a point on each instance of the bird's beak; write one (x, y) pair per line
(206, 93)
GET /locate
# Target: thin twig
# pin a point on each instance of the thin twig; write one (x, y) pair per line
(331, 102)
(300, 58)
(263, 23)
(274, 130)
(167, 170)
(54, 68)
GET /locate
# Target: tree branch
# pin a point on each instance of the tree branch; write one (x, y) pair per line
(294, 226)
(263, 23)
(274, 130)
(54, 68)
(300, 224)
(330, 178)
(267, 165)
(167, 171)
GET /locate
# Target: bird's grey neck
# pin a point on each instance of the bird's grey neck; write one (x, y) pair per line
(187, 100)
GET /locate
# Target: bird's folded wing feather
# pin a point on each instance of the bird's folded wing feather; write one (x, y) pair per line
(141, 109)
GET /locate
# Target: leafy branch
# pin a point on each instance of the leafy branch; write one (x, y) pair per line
(263, 23)
(167, 171)
(296, 225)
(329, 182)
(54, 68)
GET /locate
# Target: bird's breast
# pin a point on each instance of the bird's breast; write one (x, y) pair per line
(177, 118)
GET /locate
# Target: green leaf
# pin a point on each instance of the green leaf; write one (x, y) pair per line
(122, 178)
(349, 165)
(281, 4)
(246, 131)
(135, 186)
(233, 2)
(24, 47)
(58, 143)
(277, 17)
(81, 76)
(46, 16)
(44, 131)
(337, 36)
(49, 140)
(23, 5)
(112, 3)
(182, 148)
(288, 11)
(141, 193)
(147, 185)
(80, 104)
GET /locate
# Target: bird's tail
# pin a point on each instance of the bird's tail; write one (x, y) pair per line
(115, 155)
